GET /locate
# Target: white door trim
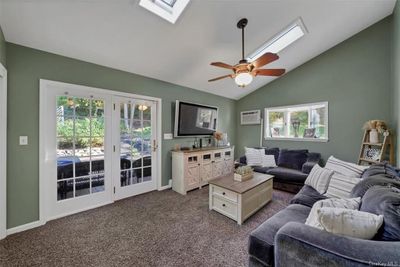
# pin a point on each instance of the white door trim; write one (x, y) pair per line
(3, 152)
(43, 215)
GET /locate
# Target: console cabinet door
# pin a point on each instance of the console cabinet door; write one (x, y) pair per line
(217, 169)
(228, 166)
(192, 176)
(206, 172)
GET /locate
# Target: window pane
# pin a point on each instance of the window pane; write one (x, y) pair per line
(276, 124)
(82, 107)
(298, 122)
(82, 186)
(65, 106)
(318, 121)
(65, 189)
(65, 126)
(97, 108)
(97, 126)
(98, 183)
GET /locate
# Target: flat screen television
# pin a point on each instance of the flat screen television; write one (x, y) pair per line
(194, 119)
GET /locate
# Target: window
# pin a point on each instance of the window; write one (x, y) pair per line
(308, 122)
(169, 10)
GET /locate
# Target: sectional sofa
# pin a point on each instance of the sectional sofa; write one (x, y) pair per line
(285, 240)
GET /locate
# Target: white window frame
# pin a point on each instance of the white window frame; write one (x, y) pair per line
(286, 110)
(164, 10)
(3, 152)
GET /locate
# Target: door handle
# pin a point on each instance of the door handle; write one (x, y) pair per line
(154, 146)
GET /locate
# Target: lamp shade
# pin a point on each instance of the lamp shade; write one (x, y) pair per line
(243, 79)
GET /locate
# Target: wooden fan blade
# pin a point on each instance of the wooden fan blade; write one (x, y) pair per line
(268, 72)
(222, 77)
(265, 59)
(222, 65)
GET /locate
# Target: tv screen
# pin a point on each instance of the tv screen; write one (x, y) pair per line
(194, 119)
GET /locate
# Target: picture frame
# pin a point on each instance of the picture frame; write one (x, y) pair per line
(309, 133)
(250, 117)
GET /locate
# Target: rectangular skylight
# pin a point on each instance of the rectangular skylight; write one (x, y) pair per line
(169, 2)
(169, 10)
(282, 40)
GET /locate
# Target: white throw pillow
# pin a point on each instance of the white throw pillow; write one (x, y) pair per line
(254, 156)
(268, 161)
(348, 222)
(319, 178)
(340, 186)
(344, 168)
(350, 203)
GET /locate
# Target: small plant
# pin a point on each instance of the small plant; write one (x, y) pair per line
(244, 170)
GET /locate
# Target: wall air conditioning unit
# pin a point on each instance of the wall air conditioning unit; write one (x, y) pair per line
(250, 117)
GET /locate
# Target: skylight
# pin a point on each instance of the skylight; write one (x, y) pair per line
(169, 10)
(282, 40)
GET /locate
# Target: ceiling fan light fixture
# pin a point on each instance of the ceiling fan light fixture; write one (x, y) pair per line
(243, 79)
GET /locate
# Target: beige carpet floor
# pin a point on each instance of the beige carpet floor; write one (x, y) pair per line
(154, 229)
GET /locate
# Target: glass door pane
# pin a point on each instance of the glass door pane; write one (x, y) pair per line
(135, 143)
(80, 146)
(136, 134)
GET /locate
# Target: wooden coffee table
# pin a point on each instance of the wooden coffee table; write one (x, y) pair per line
(240, 200)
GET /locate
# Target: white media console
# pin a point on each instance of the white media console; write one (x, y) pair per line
(193, 169)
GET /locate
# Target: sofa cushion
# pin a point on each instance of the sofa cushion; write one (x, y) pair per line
(261, 240)
(273, 151)
(307, 196)
(261, 169)
(383, 169)
(381, 179)
(293, 159)
(384, 200)
(287, 175)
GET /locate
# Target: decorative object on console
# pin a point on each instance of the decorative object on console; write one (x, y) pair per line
(372, 153)
(250, 117)
(243, 173)
(218, 137)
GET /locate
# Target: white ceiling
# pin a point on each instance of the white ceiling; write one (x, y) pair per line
(122, 35)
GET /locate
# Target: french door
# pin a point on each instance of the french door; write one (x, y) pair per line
(95, 147)
(78, 149)
(134, 163)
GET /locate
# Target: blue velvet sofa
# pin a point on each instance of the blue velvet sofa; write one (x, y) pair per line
(284, 239)
(293, 167)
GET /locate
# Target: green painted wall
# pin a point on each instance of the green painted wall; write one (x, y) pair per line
(26, 66)
(2, 48)
(396, 76)
(354, 77)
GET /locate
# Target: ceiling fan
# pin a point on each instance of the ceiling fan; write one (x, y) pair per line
(244, 71)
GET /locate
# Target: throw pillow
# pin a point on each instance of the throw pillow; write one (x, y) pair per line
(382, 169)
(349, 222)
(344, 168)
(268, 161)
(307, 196)
(340, 186)
(254, 156)
(383, 200)
(319, 178)
(350, 203)
(273, 151)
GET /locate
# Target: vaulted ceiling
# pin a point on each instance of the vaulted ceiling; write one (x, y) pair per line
(122, 35)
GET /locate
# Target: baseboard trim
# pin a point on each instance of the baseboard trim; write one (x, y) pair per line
(165, 187)
(24, 227)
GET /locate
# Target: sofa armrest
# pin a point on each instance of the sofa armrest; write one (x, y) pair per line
(307, 167)
(297, 244)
